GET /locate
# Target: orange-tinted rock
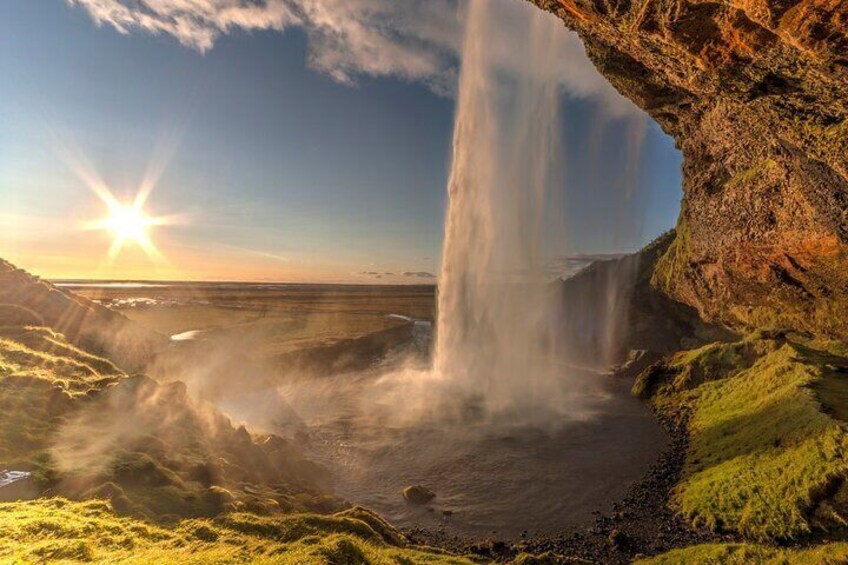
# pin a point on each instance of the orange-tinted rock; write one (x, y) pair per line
(755, 93)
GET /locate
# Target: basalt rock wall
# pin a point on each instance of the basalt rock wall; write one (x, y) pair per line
(755, 93)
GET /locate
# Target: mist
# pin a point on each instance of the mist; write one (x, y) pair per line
(498, 351)
(500, 375)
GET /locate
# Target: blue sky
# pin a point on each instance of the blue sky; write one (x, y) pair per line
(290, 154)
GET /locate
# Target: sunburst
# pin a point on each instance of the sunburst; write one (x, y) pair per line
(130, 224)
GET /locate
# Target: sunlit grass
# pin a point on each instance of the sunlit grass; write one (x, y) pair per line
(764, 458)
(40, 376)
(59, 531)
(751, 554)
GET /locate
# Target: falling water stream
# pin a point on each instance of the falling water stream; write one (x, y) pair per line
(509, 436)
(495, 299)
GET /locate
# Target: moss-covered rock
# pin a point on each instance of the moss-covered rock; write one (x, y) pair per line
(57, 530)
(751, 554)
(764, 458)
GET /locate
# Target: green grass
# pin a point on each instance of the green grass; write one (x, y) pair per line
(85, 429)
(41, 377)
(674, 262)
(751, 554)
(63, 532)
(764, 458)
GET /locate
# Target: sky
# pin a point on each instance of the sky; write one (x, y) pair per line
(283, 140)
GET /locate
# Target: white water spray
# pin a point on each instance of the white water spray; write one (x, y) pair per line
(496, 304)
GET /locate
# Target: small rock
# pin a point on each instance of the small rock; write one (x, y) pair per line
(447, 512)
(418, 494)
(617, 538)
(499, 547)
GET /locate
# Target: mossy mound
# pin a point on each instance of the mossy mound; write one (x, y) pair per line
(29, 301)
(86, 429)
(59, 531)
(765, 459)
(41, 377)
(751, 554)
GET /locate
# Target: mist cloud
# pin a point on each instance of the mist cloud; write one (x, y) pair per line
(414, 40)
(569, 265)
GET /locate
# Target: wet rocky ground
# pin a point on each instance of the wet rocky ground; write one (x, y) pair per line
(640, 524)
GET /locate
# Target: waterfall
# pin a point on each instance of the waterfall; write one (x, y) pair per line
(496, 305)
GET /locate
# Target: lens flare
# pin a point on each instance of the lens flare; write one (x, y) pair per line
(130, 224)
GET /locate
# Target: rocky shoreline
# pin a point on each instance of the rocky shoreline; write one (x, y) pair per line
(640, 524)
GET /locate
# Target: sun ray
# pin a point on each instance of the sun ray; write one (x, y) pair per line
(159, 161)
(128, 222)
(115, 249)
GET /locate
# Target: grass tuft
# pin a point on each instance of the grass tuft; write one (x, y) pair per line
(751, 554)
(60, 531)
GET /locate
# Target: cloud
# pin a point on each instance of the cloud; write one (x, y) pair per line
(195, 23)
(407, 274)
(376, 274)
(414, 40)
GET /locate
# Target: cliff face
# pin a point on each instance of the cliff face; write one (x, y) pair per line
(755, 93)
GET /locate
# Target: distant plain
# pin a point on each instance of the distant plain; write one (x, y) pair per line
(289, 317)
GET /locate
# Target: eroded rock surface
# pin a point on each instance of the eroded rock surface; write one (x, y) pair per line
(755, 92)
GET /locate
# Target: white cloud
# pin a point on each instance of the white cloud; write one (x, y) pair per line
(415, 40)
(195, 23)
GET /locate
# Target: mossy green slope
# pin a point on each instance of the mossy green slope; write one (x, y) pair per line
(751, 554)
(40, 377)
(762, 452)
(86, 429)
(62, 532)
(768, 452)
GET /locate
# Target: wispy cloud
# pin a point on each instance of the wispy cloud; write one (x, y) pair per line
(415, 40)
(397, 277)
(419, 274)
(195, 23)
(376, 274)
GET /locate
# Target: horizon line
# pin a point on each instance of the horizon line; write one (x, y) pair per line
(60, 281)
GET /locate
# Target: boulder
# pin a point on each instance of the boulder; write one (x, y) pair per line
(418, 494)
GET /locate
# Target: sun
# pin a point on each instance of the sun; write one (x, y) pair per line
(129, 224)
(126, 220)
